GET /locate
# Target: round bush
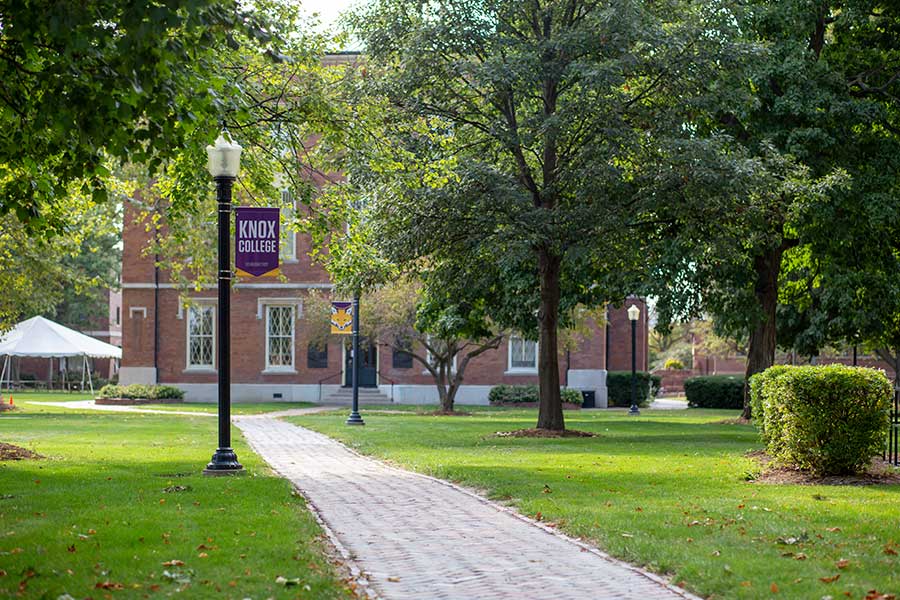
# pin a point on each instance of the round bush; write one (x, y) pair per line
(715, 391)
(673, 364)
(829, 419)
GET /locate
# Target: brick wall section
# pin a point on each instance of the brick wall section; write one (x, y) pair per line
(620, 337)
(248, 332)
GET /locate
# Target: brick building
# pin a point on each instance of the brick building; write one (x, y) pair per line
(166, 342)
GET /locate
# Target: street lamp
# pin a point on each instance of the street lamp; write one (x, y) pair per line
(633, 314)
(355, 418)
(224, 162)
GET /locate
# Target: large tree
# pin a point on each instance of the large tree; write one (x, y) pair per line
(823, 128)
(515, 128)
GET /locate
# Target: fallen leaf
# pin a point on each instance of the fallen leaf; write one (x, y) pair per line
(546, 489)
(202, 555)
(627, 535)
(833, 529)
(71, 548)
(800, 556)
(746, 584)
(889, 550)
(774, 588)
(716, 553)
(538, 516)
(109, 585)
(831, 579)
(232, 583)
(2, 573)
(173, 563)
(92, 531)
(842, 564)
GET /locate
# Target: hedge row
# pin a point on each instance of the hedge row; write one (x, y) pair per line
(518, 394)
(715, 391)
(141, 391)
(618, 387)
(829, 419)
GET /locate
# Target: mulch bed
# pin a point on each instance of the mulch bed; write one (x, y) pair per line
(4, 406)
(878, 473)
(545, 433)
(10, 452)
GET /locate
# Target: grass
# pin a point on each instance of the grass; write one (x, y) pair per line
(668, 490)
(237, 408)
(117, 496)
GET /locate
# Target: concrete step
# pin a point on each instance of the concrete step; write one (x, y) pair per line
(344, 397)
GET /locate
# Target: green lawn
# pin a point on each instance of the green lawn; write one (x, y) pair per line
(117, 496)
(667, 490)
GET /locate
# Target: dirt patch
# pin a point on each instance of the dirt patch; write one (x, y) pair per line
(545, 433)
(10, 452)
(135, 401)
(565, 405)
(734, 421)
(4, 406)
(879, 472)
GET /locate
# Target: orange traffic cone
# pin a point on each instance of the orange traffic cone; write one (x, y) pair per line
(10, 400)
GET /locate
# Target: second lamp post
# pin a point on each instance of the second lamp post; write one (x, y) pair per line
(633, 314)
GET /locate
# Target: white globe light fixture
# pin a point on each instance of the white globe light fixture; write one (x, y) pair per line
(223, 158)
(634, 313)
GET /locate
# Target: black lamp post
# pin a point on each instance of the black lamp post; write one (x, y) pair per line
(633, 314)
(354, 418)
(224, 162)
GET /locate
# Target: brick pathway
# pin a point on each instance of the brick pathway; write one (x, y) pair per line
(418, 537)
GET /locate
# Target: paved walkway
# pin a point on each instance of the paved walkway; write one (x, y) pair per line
(418, 537)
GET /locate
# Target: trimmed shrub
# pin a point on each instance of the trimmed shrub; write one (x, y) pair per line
(673, 364)
(715, 391)
(524, 394)
(141, 391)
(655, 385)
(829, 419)
(618, 387)
(757, 382)
(571, 396)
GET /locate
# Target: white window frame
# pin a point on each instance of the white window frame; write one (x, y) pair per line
(510, 369)
(270, 368)
(287, 249)
(210, 368)
(428, 358)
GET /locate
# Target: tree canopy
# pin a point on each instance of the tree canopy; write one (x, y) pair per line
(511, 136)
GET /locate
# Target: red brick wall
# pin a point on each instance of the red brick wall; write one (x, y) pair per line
(620, 337)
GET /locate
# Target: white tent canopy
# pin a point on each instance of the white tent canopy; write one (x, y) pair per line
(40, 337)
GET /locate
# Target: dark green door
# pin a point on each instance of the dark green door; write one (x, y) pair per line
(368, 366)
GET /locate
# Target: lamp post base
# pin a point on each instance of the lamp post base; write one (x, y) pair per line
(355, 419)
(224, 462)
(634, 411)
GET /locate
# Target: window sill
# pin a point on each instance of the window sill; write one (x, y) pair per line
(521, 372)
(279, 371)
(201, 370)
(290, 261)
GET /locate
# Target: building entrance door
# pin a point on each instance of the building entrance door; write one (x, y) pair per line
(368, 366)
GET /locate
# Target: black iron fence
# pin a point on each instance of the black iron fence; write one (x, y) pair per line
(892, 453)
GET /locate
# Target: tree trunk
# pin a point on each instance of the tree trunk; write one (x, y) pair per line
(761, 351)
(550, 414)
(449, 396)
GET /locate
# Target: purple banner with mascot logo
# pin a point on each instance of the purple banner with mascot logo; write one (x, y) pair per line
(257, 240)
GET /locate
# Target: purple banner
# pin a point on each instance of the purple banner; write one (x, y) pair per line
(257, 240)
